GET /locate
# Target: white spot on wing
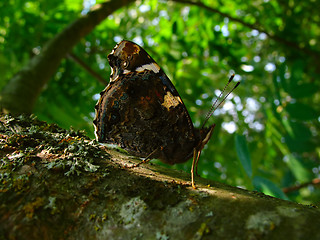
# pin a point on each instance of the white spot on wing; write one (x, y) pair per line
(171, 101)
(150, 66)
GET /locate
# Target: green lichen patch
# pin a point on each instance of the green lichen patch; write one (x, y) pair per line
(28, 141)
(42, 168)
(262, 223)
(132, 210)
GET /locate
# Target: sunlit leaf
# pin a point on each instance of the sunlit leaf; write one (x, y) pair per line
(267, 187)
(298, 169)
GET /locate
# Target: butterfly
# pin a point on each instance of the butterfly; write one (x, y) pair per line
(141, 111)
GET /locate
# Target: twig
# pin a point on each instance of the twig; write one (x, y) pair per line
(87, 68)
(314, 182)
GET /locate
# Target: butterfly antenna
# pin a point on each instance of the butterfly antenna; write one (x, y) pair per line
(214, 106)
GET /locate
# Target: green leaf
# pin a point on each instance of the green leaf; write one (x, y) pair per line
(283, 79)
(243, 154)
(174, 27)
(267, 187)
(300, 172)
(303, 90)
(297, 145)
(301, 111)
(301, 131)
(299, 138)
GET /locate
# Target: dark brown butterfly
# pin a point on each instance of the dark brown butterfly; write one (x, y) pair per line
(141, 111)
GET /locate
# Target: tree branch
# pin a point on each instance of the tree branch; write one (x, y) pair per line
(21, 92)
(314, 182)
(57, 184)
(87, 68)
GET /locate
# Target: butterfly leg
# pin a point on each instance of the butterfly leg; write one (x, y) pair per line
(196, 156)
(146, 160)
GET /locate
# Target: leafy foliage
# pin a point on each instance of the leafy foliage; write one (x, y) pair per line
(269, 129)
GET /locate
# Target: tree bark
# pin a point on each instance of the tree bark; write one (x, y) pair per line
(57, 184)
(20, 94)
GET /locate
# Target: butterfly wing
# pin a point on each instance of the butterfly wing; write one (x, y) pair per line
(141, 111)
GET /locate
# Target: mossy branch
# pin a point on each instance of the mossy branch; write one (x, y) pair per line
(58, 184)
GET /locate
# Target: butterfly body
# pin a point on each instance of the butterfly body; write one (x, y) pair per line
(141, 111)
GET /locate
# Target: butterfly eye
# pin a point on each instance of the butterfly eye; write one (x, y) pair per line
(127, 62)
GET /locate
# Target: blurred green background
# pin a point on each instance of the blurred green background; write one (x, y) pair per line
(267, 134)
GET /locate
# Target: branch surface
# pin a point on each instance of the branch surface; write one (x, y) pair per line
(57, 184)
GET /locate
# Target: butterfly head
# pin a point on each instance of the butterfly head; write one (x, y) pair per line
(128, 57)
